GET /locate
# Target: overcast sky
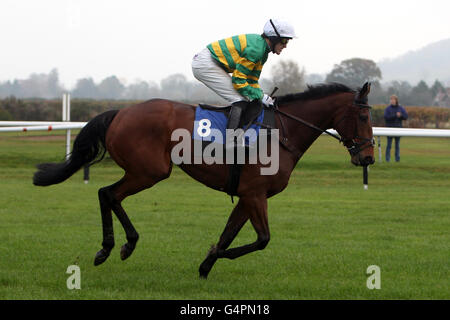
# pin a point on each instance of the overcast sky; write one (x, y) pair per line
(149, 40)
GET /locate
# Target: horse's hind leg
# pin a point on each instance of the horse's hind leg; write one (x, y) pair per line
(129, 185)
(131, 233)
(110, 199)
(106, 199)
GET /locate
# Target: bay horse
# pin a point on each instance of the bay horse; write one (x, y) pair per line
(138, 139)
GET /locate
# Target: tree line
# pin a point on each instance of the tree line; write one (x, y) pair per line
(287, 75)
(48, 86)
(12, 108)
(354, 72)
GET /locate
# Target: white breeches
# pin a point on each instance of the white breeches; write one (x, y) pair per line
(207, 71)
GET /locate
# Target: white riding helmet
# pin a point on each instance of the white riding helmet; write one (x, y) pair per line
(279, 28)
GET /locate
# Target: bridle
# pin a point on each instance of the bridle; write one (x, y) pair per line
(356, 147)
(353, 147)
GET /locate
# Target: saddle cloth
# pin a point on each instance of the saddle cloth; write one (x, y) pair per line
(210, 124)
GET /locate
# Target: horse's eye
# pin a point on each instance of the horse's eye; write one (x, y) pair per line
(363, 118)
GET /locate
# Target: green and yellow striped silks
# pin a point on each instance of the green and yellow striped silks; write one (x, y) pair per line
(243, 56)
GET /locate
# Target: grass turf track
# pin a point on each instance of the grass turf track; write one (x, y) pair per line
(325, 230)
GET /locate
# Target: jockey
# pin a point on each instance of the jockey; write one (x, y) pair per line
(243, 56)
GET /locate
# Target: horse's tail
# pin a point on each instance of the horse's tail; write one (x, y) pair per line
(88, 148)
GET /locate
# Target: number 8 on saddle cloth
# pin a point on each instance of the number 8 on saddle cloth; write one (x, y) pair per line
(211, 122)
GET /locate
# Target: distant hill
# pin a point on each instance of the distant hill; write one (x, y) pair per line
(428, 63)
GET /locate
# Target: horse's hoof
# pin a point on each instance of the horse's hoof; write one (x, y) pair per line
(126, 251)
(101, 257)
(203, 273)
(205, 268)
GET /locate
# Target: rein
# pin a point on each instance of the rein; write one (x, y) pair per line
(355, 148)
(306, 123)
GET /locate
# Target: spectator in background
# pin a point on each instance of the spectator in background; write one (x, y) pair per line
(394, 114)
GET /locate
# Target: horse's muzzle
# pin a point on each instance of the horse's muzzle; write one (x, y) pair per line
(367, 161)
(359, 161)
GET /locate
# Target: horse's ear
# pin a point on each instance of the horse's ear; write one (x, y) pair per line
(363, 93)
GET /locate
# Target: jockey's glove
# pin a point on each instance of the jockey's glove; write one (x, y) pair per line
(267, 100)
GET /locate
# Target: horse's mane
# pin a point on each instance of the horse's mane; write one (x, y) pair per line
(316, 92)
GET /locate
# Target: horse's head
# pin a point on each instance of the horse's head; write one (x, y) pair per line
(355, 128)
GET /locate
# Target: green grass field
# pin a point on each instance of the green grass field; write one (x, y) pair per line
(325, 230)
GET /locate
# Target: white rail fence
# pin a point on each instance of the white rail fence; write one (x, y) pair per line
(25, 126)
(66, 124)
(405, 132)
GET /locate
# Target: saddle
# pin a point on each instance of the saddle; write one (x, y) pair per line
(249, 117)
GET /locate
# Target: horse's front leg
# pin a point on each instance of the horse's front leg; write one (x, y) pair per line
(257, 208)
(235, 223)
(254, 208)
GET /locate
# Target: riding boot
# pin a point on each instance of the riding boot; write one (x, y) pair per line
(235, 114)
(234, 118)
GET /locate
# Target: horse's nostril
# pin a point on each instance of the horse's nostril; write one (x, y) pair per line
(369, 160)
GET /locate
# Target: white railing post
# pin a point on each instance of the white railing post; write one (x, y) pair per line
(379, 149)
(64, 107)
(66, 118)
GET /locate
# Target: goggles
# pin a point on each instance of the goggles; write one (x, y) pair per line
(284, 41)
